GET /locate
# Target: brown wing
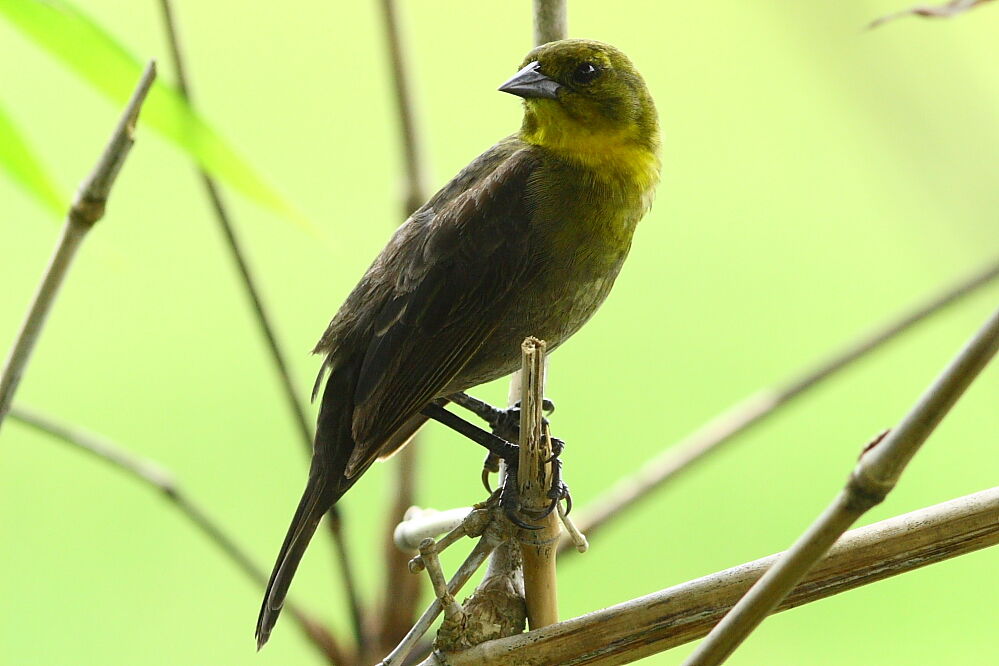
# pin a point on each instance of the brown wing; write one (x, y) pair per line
(453, 274)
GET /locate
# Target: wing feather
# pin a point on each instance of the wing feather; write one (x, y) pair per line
(459, 266)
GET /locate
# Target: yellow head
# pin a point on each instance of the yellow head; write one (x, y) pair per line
(585, 100)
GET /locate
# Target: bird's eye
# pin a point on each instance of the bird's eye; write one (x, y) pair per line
(585, 72)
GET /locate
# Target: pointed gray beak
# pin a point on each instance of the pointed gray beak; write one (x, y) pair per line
(530, 82)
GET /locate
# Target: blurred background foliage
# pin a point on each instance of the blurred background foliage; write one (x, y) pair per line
(817, 179)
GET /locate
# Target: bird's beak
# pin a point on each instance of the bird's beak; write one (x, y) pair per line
(530, 82)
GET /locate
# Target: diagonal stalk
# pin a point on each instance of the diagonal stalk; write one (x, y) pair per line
(874, 476)
(401, 589)
(744, 415)
(86, 210)
(295, 406)
(154, 476)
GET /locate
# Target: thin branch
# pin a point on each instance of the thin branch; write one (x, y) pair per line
(224, 220)
(872, 479)
(534, 477)
(662, 620)
(348, 579)
(87, 208)
(154, 476)
(946, 10)
(551, 22)
(415, 162)
(420, 524)
(480, 552)
(295, 406)
(753, 410)
(401, 590)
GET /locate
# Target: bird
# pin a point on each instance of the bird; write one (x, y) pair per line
(527, 239)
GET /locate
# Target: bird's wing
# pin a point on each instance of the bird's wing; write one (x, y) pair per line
(453, 270)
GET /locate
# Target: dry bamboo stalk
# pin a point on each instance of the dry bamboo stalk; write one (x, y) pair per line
(662, 620)
(874, 476)
(534, 478)
(86, 210)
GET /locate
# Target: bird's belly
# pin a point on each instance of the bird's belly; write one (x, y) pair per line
(551, 305)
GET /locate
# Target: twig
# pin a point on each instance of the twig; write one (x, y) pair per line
(751, 411)
(418, 524)
(154, 476)
(946, 10)
(224, 220)
(683, 613)
(401, 590)
(872, 479)
(417, 174)
(483, 547)
(296, 408)
(534, 476)
(551, 22)
(87, 208)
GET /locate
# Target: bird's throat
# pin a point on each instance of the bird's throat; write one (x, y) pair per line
(616, 154)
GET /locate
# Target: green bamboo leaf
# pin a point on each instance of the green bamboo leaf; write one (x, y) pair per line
(101, 60)
(18, 160)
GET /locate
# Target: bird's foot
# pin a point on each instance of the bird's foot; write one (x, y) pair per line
(504, 423)
(501, 448)
(510, 499)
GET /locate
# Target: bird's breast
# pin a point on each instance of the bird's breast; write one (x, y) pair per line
(580, 235)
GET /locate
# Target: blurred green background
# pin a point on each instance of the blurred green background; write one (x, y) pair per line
(817, 180)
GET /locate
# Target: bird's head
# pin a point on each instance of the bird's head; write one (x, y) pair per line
(584, 98)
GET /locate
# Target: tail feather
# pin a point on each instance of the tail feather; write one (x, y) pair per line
(316, 501)
(327, 483)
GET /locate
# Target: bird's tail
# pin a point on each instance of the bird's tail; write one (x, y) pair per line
(316, 501)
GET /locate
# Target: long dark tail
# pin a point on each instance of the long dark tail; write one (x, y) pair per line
(327, 483)
(316, 501)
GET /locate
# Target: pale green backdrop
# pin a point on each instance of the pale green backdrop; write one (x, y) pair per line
(817, 179)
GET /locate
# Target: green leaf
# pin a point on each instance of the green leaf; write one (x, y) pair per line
(17, 159)
(96, 56)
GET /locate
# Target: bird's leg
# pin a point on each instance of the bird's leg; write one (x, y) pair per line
(504, 423)
(502, 449)
(496, 445)
(506, 451)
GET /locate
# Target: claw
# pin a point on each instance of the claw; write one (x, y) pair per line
(551, 507)
(511, 514)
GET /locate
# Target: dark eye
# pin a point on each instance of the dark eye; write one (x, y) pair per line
(585, 72)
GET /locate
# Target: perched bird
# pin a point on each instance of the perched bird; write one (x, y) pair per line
(526, 240)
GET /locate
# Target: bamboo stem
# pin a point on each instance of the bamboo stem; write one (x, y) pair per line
(86, 210)
(401, 590)
(677, 615)
(534, 477)
(551, 21)
(743, 416)
(293, 402)
(874, 476)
